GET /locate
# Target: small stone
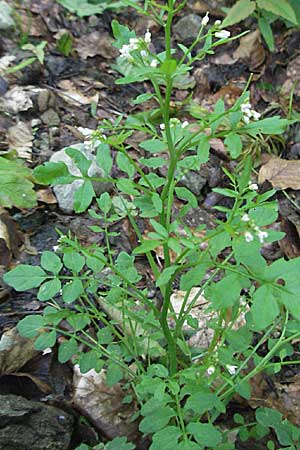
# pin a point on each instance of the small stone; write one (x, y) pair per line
(64, 193)
(32, 425)
(50, 118)
(6, 20)
(187, 28)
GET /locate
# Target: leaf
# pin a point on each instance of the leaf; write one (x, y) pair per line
(119, 443)
(154, 146)
(271, 125)
(234, 144)
(267, 33)
(127, 187)
(186, 194)
(121, 33)
(280, 8)
(49, 289)
(124, 164)
(45, 340)
(15, 187)
(142, 98)
(51, 262)
(281, 173)
(53, 173)
(166, 439)
(25, 277)
(72, 290)
(205, 434)
(157, 420)
(66, 350)
(104, 159)
(193, 277)
(104, 202)
(83, 196)
(264, 308)
(200, 403)
(240, 11)
(79, 159)
(74, 261)
(78, 321)
(30, 326)
(114, 374)
(166, 275)
(146, 247)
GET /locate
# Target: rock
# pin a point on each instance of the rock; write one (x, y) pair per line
(15, 100)
(64, 193)
(186, 29)
(15, 351)
(50, 118)
(31, 425)
(194, 181)
(6, 20)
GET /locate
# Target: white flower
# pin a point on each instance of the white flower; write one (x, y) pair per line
(210, 370)
(154, 63)
(218, 23)
(262, 235)
(245, 107)
(125, 52)
(205, 19)
(246, 119)
(256, 115)
(245, 218)
(133, 42)
(223, 34)
(144, 54)
(231, 369)
(162, 126)
(248, 236)
(185, 124)
(147, 37)
(174, 121)
(253, 186)
(55, 248)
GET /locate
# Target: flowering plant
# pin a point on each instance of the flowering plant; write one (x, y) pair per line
(133, 328)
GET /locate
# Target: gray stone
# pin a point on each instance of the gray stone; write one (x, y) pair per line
(32, 425)
(64, 193)
(194, 181)
(50, 118)
(6, 20)
(186, 29)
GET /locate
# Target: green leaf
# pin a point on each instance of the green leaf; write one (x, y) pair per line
(30, 326)
(154, 146)
(81, 161)
(104, 202)
(125, 165)
(121, 33)
(226, 192)
(267, 33)
(95, 263)
(114, 374)
(280, 8)
(125, 265)
(79, 321)
(240, 11)
(193, 277)
(205, 434)
(25, 277)
(49, 290)
(202, 402)
(73, 261)
(72, 290)
(166, 439)
(156, 420)
(234, 144)
(142, 98)
(271, 125)
(45, 340)
(166, 275)
(244, 178)
(154, 162)
(83, 196)
(264, 308)
(104, 159)
(51, 262)
(53, 173)
(90, 360)
(127, 187)
(119, 443)
(169, 66)
(186, 194)
(15, 187)
(146, 247)
(66, 350)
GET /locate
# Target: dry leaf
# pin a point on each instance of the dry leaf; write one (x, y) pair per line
(16, 100)
(73, 96)
(281, 173)
(251, 49)
(103, 405)
(15, 351)
(46, 196)
(96, 43)
(20, 138)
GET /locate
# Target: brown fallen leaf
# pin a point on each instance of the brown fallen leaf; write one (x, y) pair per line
(281, 173)
(251, 49)
(15, 351)
(96, 43)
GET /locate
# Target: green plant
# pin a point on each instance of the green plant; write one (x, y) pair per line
(266, 12)
(90, 7)
(100, 294)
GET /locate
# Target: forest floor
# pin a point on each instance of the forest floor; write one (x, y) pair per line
(43, 107)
